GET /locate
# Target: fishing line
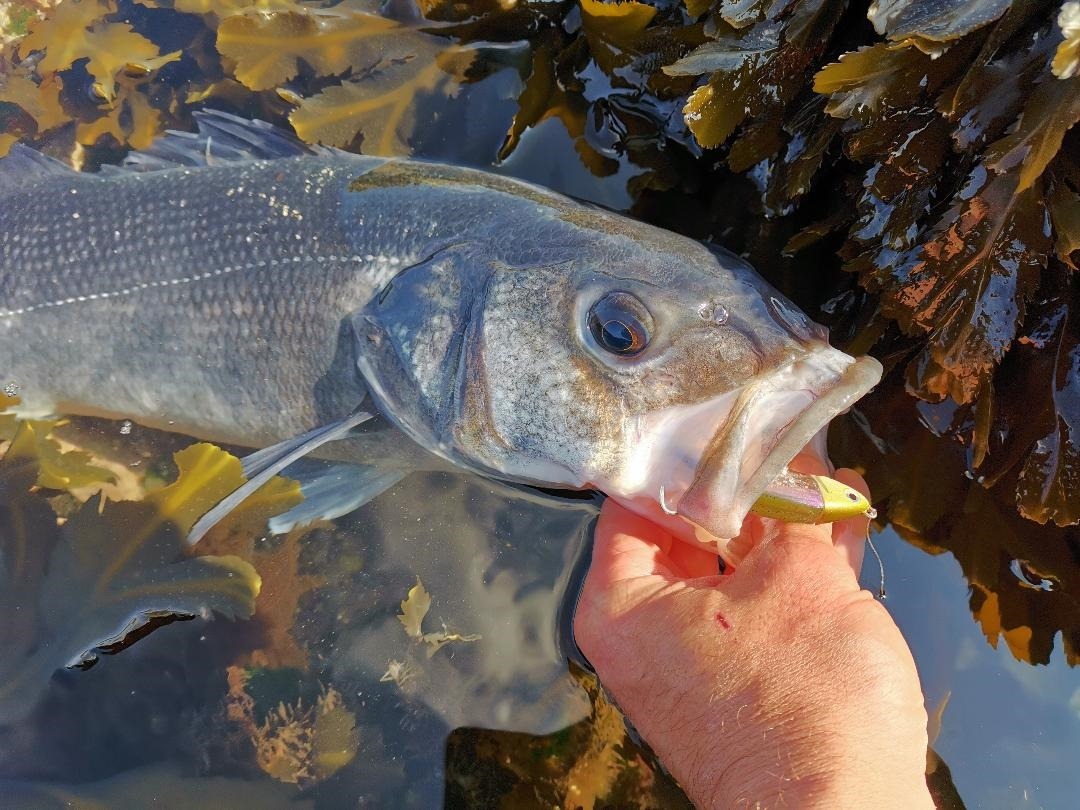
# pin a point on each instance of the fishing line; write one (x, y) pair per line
(881, 565)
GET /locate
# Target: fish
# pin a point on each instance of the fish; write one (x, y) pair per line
(354, 318)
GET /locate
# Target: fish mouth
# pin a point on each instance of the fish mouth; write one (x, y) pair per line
(769, 424)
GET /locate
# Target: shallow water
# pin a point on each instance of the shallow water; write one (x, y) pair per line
(220, 713)
(496, 563)
(467, 725)
(1009, 731)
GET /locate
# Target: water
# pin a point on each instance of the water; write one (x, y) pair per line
(496, 562)
(1009, 731)
(323, 699)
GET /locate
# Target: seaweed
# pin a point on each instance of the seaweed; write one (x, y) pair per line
(926, 148)
(266, 48)
(1067, 56)
(296, 742)
(925, 23)
(594, 763)
(1050, 476)
(613, 30)
(75, 32)
(414, 607)
(1022, 593)
(285, 581)
(109, 572)
(380, 100)
(40, 101)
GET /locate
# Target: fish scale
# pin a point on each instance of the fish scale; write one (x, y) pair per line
(145, 275)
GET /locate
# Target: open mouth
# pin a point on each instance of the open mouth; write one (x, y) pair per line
(768, 425)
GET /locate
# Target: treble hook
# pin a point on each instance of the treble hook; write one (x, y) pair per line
(663, 504)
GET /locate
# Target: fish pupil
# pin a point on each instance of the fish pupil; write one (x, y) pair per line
(618, 323)
(617, 336)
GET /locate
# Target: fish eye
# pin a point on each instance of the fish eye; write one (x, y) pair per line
(620, 323)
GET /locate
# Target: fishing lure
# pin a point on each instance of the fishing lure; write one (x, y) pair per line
(798, 498)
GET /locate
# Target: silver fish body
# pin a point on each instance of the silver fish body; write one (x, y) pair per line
(247, 300)
(206, 300)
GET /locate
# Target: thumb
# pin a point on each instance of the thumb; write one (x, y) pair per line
(795, 558)
(826, 551)
(626, 546)
(622, 559)
(626, 554)
(630, 548)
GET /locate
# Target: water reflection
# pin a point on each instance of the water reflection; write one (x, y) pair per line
(594, 116)
(245, 699)
(493, 566)
(1009, 731)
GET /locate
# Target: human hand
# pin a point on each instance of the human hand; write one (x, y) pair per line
(779, 684)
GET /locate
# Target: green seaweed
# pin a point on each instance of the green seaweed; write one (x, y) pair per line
(74, 590)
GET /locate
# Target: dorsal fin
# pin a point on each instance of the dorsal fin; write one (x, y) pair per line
(221, 138)
(22, 166)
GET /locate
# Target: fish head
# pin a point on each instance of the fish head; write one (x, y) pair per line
(660, 371)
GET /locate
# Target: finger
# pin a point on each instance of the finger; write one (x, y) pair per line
(626, 546)
(756, 529)
(752, 532)
(787, 549)
(849, 536)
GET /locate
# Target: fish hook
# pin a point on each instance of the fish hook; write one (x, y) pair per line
(663, 504)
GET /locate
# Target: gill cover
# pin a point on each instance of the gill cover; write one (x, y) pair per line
(414, 341)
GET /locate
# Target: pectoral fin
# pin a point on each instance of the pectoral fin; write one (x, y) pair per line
(263, 465)
(332, 490)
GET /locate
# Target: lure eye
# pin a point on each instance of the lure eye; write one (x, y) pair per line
(619, 323)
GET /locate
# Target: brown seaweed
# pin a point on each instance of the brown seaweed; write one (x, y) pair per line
(299, 742)
(592, 764)
(927, 148)
(110, 570)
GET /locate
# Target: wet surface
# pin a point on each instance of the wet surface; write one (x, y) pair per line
(946, 186)
(1007, 730)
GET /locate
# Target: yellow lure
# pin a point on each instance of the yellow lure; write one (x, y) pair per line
(798, 498)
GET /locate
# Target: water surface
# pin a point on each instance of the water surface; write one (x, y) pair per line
(324, 699)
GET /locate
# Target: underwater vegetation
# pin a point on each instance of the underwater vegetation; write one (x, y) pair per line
(93, 563)
(907, 170)
(103, 572)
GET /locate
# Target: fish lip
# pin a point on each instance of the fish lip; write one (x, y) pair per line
(854, 382)
(826, 401)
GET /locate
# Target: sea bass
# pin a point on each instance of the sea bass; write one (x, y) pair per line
(239, 286)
